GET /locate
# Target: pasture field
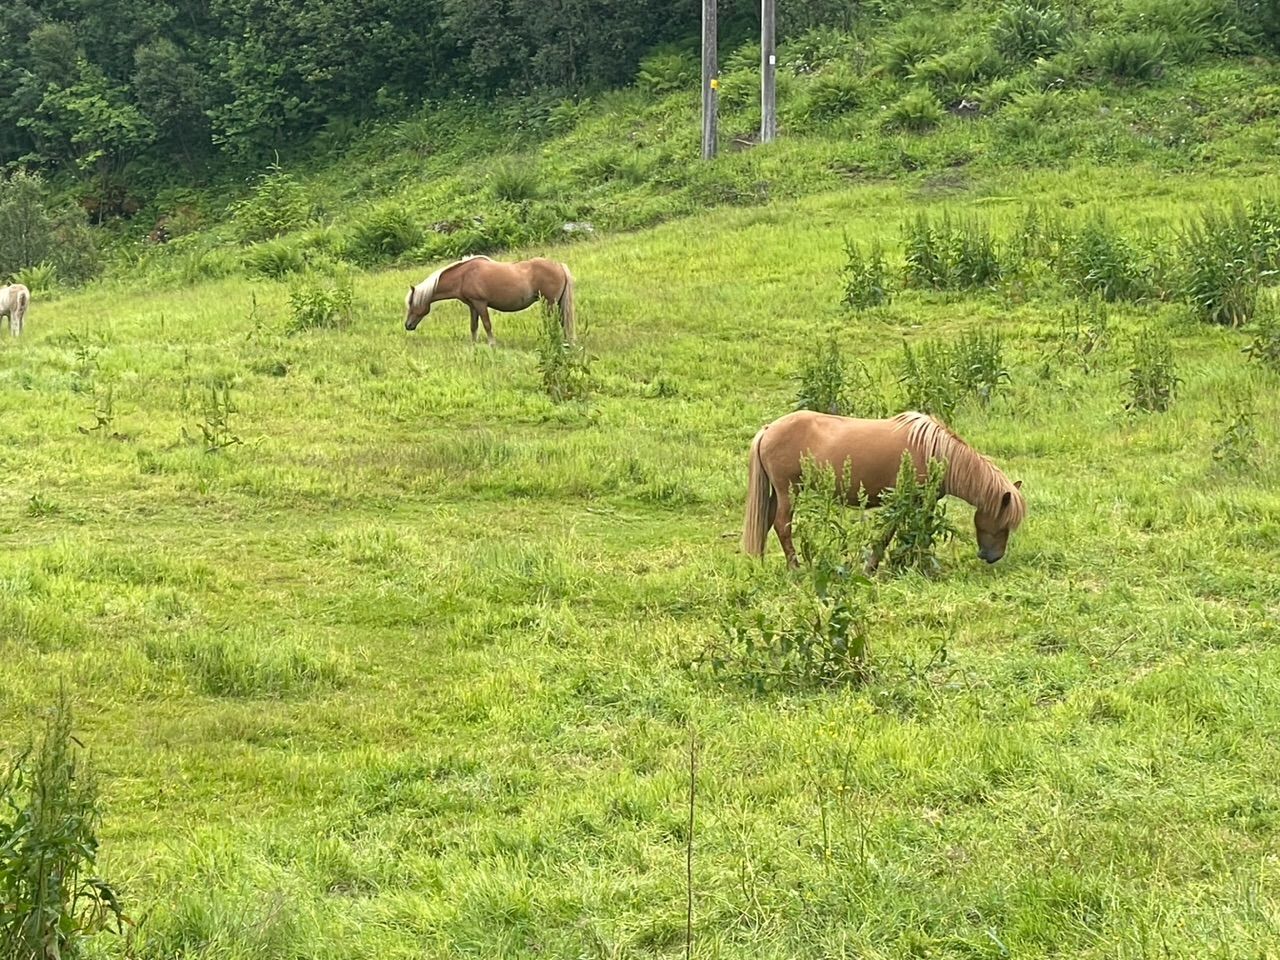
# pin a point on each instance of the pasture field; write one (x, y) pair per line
(408, 671)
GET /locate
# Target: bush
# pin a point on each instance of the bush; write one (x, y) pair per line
(35, 230)
(957, 74)
(816, 634)
(830, 95)
(667, 70)
(277, 205)
(1153, 378)
(1024, 32)
(274, 259)
(383, 234)
(1101, 260)
(50, 899)
(565, 365)
(1127, 56)
(320, 301)
(928, 380)
(1236, 447)
(1220, 267)
(911, 521)
(866, 282)
(514, 180)
(916, 41)
(947, 256)
(822, 381)
(917, 112)
(1264, 347)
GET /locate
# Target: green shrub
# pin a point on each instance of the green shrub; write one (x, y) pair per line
(914, 42)
(40, 279)
(50, 898)
(277, 205)
(1237, 448)
(916, 112)
(36, 230)
(911, 521)
(1220, 267)
(667, 70)
(822, 381)
(927, 377)
(957, 74)
(866, 278)
(831, 94)
(384, 234)
(274, 259)
(320, 301)
(1024, 32)
(514, 180)
(1264, 347)
(978, 364)
(950, 256)
(1153, 378)
(564, 364)
(1127, 56)
(1101, 260)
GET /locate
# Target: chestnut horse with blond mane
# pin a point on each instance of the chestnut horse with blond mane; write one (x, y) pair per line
(482, 283)
(14, 300)
(867, 455)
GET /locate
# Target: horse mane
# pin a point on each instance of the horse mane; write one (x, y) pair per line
(428, 286)
(969, 473)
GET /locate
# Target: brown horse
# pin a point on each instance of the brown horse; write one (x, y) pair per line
(869, 454)
(482, 283)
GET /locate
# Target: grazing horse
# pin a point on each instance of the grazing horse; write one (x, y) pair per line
(13, 304)
(482, 283)
(868, 454)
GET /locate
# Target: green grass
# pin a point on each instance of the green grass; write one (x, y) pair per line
(406, 672)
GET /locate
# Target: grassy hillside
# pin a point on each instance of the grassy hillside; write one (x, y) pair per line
(945, 94)
(408, 671)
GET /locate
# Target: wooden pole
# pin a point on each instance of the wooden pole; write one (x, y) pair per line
(710, 83)
(768, 72)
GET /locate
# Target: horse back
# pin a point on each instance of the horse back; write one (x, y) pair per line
(867, 453)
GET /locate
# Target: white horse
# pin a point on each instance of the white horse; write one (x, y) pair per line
(13, 304)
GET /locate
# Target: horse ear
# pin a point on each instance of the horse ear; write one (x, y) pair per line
(1004, 501)
(1017, 484)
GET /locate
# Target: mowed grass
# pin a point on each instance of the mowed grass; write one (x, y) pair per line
(406, 672)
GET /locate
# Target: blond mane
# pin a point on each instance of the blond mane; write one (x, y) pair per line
(424, 291)
(970, 475)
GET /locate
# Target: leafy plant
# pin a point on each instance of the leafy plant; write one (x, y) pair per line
(1224, 262)
(1153, 379)
(667, 70)
(928, 379)
(514, 180)
(866, 281)
(833, 93)
(1026, 31)
(978, 364)
(911, 521)
(1127, 56)
(320, 301)
(277, 204)
(916, 112)
(274, 259)
(1264, 347)
(103, 412)
(1087, 336)
(50, 898)
(215, 424)
(1101, 260)
(1236, 447)
(822, 380)
(564, 364)
(950, 256)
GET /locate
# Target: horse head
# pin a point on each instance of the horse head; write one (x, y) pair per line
(413, 314)
(994, 524)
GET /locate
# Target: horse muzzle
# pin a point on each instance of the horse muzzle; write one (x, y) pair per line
(411, 323)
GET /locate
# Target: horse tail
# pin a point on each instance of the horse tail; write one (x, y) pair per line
(760, 502)
(566, 303)
(20, 309)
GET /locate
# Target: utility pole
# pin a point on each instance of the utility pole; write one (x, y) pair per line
(710, 83)
(768, 72)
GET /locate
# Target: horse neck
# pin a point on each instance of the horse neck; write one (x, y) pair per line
(970, 477)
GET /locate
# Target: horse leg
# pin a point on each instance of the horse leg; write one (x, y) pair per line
(475, 324)
(488, 327)
(782, 526)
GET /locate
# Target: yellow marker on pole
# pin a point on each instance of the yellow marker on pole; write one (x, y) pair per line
(715, 83)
